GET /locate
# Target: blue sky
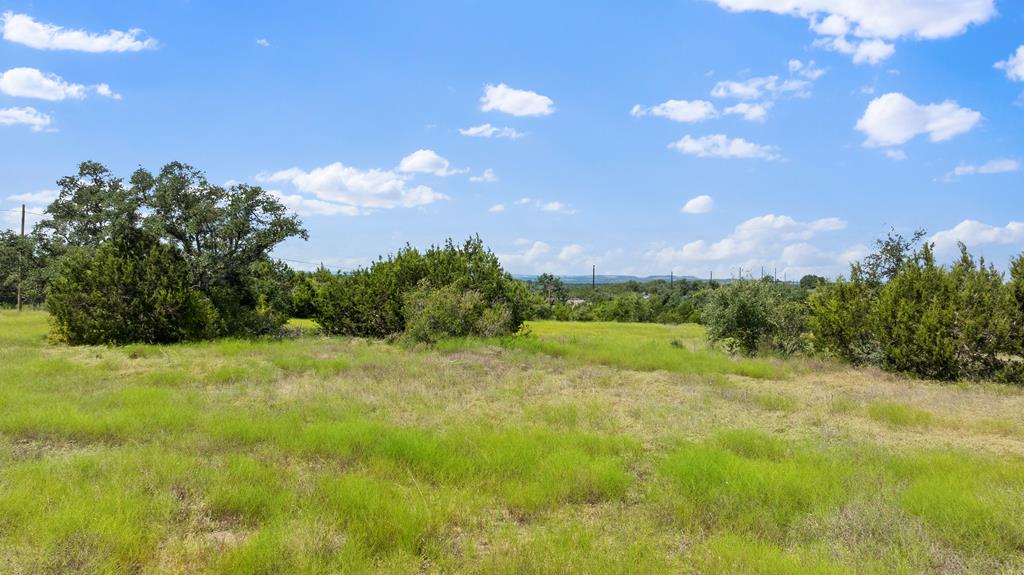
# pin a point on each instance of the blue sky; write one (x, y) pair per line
(566, 134)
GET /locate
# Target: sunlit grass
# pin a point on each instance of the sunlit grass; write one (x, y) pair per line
(311, 454)
(640, 346)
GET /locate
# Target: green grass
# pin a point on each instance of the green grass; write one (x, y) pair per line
(640, 346)
(899, 415)
(331, 455)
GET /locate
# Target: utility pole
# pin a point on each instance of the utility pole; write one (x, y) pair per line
(21, 256)
(711, 277)
(671, 278)
(593, 277)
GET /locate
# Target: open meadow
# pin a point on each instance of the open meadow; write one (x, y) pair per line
(580, 448)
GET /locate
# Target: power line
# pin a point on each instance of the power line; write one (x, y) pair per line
(19, 211)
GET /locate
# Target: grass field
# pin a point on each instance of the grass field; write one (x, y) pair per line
(583, 448)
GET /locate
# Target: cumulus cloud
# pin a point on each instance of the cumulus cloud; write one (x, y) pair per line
(750, 112)
(26, 116)
(997, 166)
(860, 27)
(313, 207)
(897, 155)
(360, 189)
(974, 233)
(893, 119)
(546, 206)
(33, 83)
(263, 42)
(863, 52)
(485, 178)
(489, 131)
(755, 236)
(1014, 65)
(527, 258)
(755, 88)
(496, 208)
(427, 162)
(23, 29)
(41, 197)
(721, 146)
(699, 205)
(504, 98)
(678, 110)
(570, 252)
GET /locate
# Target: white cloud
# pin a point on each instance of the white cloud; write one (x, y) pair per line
(898, 155)
(105, 91)
(516, 102)
(721, 146)
(23, 29)
(40, 197)
(770, 243)
(678, 110)
(313, 207)
(489, 131)
(872, 21)
(699, 205)
(485, 178)
(893, 119)
(427, 162)
(557, 207)
(974, 233)
(863, 51)
(32, 83)
(750, 112)
(537, 257)
(997, 166)
(363, 189)
(570, 252)
(756, 236)
(497, 208)
(755, 88)
(546, 206)
(527, 258)
(1014, 65)
(28, 116)
(263, 42)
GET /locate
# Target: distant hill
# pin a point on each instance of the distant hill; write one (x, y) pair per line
(607, 279)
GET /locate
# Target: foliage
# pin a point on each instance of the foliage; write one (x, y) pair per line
(372, 302)
(20, 263)
(841, 319)
(934, 321)
(132, 289)
(749, 316)
(434, 314)
(222, 235)
(812, 281)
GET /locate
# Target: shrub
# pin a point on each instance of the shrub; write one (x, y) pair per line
(840, 319)
(134, 289)
(434, 314)
(371, 302)
(748, 316)
(943, 323)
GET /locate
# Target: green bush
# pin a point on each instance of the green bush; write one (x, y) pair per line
(136, 289)
(840, 319)
(435, 314)
(749, 316)
(919, 317)
(371, 302)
